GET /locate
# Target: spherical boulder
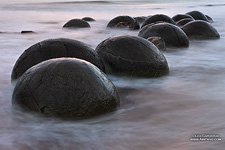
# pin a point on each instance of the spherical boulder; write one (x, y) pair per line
(132, 56)
(88, 19)
(53, 48)
(67, 88)
(140, 19)
(158, 18)
(171, 34)
(200, 30)
(123, 22)
(76, 23)
(182, 22)
(197, 15)
(179, 17)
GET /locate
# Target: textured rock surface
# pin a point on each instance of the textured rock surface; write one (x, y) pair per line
(158, 18)
(171, 34)
(132, 56)
(123, 22)
(67, 88)
(158, 42)
(200, 30)
(76, 23)
(54, 48)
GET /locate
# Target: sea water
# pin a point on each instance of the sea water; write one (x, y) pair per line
(160, 113)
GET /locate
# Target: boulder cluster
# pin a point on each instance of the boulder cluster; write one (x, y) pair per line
(68, 79)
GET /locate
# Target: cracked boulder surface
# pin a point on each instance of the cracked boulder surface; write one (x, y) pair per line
(66, 88)
(200, 30)
(158, 18)
(54, 48)
(76, 23)
(123, 22)
(171, 34)
(132, 56)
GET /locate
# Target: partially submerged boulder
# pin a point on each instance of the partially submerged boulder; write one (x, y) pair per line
(132, 56)
(53, 48)
(197, 15)
(123, 22)
(200, 30)
(65, 88)
(76, 23)
(171, 34)
(158, 18)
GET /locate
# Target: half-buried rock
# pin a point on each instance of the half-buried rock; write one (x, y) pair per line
(182, 22)
(197, 15)
(132, 56)
(77, 23)
(54, 48)
(200, 30)
(158, 18)
(179, 17)
(88, 19)
(66, 88)
(171, 34)
(124, 22)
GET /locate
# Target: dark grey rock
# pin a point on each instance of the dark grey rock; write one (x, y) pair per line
(200, 30)
(26, 32)
(132, 56)
(171, 34)
(54, 48)
(197, 15)
(140, 19)
(88, 19)
(209, 19)
(182, 22)
(124, 22)
(158, 18)
(76, 23)
(158, 42)
(179, 17)
(66, 88)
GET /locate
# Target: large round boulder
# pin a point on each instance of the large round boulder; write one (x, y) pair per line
(53, 48)
(158, 18)
(182, 22)
(179, 17)
(123, 22)
(67, 88)
(76, 23)
(197, 15)
(171, 34)
(200, 30)
(132, 56)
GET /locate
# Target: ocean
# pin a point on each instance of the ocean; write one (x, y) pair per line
(155, 114)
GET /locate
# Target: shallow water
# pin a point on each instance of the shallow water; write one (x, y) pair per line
(161, 113)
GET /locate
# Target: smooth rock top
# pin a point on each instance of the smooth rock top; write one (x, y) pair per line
(171, 34)
(76, 23)
(179, 17)
(88, 19)
(158, 18)
(200, 30)
(123, 22)
(197, 15)
(53, 48)
(132, 56)
(182, 22)
(66, 88)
